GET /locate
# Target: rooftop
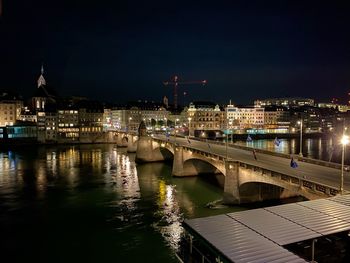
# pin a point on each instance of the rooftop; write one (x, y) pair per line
(262, 234)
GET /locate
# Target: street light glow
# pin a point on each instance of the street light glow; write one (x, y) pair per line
(345, 140)
(301, 138)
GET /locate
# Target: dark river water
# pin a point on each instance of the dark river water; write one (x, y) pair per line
(92, 203)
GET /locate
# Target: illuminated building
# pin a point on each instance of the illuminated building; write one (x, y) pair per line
(244, 117)
(10, 110)
(129, 117)
(47, 122)
(90, 121)
(285, 102)
(206, 119)
(276, 118)
(68, 124)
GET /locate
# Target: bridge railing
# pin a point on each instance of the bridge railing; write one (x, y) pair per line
(283, 155)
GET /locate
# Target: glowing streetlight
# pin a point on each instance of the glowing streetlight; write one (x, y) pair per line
(344, 141)
(301, 138)
(130, 118)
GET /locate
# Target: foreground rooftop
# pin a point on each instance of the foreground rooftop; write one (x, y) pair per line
(272, 234)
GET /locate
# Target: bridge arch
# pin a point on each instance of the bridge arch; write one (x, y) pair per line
(248, 178)
(166, 151)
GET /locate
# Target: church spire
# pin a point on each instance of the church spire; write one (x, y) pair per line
(41, 80)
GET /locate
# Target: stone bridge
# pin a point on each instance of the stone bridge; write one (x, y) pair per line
(242, 182)
(125, 139)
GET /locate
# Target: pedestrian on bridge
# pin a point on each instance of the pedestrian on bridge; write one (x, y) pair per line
(254, 154)
(293, 163)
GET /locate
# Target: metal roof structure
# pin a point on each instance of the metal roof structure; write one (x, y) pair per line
(259, 235)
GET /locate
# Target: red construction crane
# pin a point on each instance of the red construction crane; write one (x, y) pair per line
(175, 81)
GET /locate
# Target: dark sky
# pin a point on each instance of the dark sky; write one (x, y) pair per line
(123, 50)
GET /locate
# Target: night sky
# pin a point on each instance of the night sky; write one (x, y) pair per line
(118, 51)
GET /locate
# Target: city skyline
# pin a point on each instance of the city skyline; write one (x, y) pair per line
(124, 51)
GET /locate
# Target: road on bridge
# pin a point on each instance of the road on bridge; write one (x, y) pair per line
(312, 172)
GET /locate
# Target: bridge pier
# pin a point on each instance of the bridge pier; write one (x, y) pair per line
(180, 168)
(132, 143)
(178, 163)
(231, 187)
(149, 151)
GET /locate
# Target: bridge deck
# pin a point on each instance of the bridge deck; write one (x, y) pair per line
(259, 235)
(312, 172)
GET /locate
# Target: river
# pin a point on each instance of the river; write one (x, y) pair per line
(92, 203)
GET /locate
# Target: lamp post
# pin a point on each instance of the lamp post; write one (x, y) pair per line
(189, 127)
(301, 138)
(130, 118)
(230, 123)
(226, 146)
(344, 141)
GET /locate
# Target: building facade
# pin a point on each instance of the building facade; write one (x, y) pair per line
(285, 102)
(10, 111)
(205, 119)
(244, 117)
(68, 124)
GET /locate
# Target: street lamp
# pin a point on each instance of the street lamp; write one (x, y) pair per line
(226, 145)
(130, 118)
(230, 123)
(301, 138)
(166, 123)
(189, 127)
(344, 141)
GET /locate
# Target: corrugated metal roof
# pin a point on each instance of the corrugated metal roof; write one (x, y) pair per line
(315, 215)
(258, 235)
(238, 242)
(329, 207)
(273, 226)
(342, 199)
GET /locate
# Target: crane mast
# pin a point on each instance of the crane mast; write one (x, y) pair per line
(175, 81)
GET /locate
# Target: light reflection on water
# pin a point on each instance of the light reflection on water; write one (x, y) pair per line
(98, 205)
